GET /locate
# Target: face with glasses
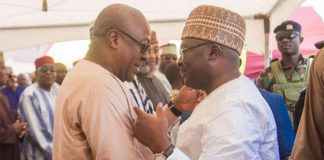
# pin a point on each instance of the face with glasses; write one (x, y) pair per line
(196, 63)
(46, 75)
(135, 48)
(144, 46)
(288, 42)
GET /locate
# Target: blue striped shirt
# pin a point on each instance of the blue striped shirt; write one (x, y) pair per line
(36, 108)
(139, 96)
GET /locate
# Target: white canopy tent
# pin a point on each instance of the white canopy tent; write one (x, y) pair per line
(26, 23)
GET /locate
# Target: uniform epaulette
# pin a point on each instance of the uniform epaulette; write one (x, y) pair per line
(273, 60)
(311, 56)
(265, 73)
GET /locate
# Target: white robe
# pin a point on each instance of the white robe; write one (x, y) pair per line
(232, 122)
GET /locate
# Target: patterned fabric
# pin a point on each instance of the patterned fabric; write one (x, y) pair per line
(36, 107)
(287, 81)
(139, 96)
(217, 25)
(292, 73)
(154, 89)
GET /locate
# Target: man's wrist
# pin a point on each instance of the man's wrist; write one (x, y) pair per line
(165, 153)
(168, 151)
(173, 109)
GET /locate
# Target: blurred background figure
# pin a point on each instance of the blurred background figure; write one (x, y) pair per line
(12, 91)
(36, 107)
(23, 80)
(61, 72)
(172, 73)
(11, 129)
(168, 55)
(2, 62)
(153, 84)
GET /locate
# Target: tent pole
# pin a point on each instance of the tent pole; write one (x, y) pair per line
(267, 54)
(266, 28)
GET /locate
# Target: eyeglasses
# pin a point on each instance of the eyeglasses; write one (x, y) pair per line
(144, 47)
(46, 69)
(183, 50)
(290, 36)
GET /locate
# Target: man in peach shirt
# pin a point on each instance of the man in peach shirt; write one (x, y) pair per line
(94, 115)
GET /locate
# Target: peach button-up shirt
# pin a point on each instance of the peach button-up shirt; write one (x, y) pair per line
(94, 116)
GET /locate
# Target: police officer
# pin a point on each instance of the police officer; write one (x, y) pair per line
(287, 76)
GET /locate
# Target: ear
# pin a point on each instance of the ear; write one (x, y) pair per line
(301, 39)
(112, 37)
(215, 51)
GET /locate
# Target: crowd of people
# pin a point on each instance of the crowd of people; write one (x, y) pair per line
(133, 98)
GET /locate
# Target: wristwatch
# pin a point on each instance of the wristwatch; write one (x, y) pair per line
(174, 110)
(165, 154)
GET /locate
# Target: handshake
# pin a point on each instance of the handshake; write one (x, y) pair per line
(186, 99)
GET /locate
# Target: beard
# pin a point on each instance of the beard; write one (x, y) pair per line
(147, 70)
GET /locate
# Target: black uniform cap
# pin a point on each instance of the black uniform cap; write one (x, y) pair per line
(288, 26)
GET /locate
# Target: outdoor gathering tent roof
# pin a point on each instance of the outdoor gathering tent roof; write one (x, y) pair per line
(23, 23)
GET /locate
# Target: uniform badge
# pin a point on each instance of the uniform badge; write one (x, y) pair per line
(289, 27)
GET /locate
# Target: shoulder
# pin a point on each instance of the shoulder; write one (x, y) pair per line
(265, 72)
(274, 60)
(30, 89)
(311, 56)
(268, 71)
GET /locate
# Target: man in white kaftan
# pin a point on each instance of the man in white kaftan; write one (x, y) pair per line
(233, 121)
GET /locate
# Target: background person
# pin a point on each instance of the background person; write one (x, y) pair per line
(36, 108)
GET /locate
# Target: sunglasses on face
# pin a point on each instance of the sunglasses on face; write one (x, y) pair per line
(289, 36)
(144, 46)
(46, 69)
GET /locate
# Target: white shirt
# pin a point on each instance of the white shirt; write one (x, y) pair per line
(139, 96)
(232, 122)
